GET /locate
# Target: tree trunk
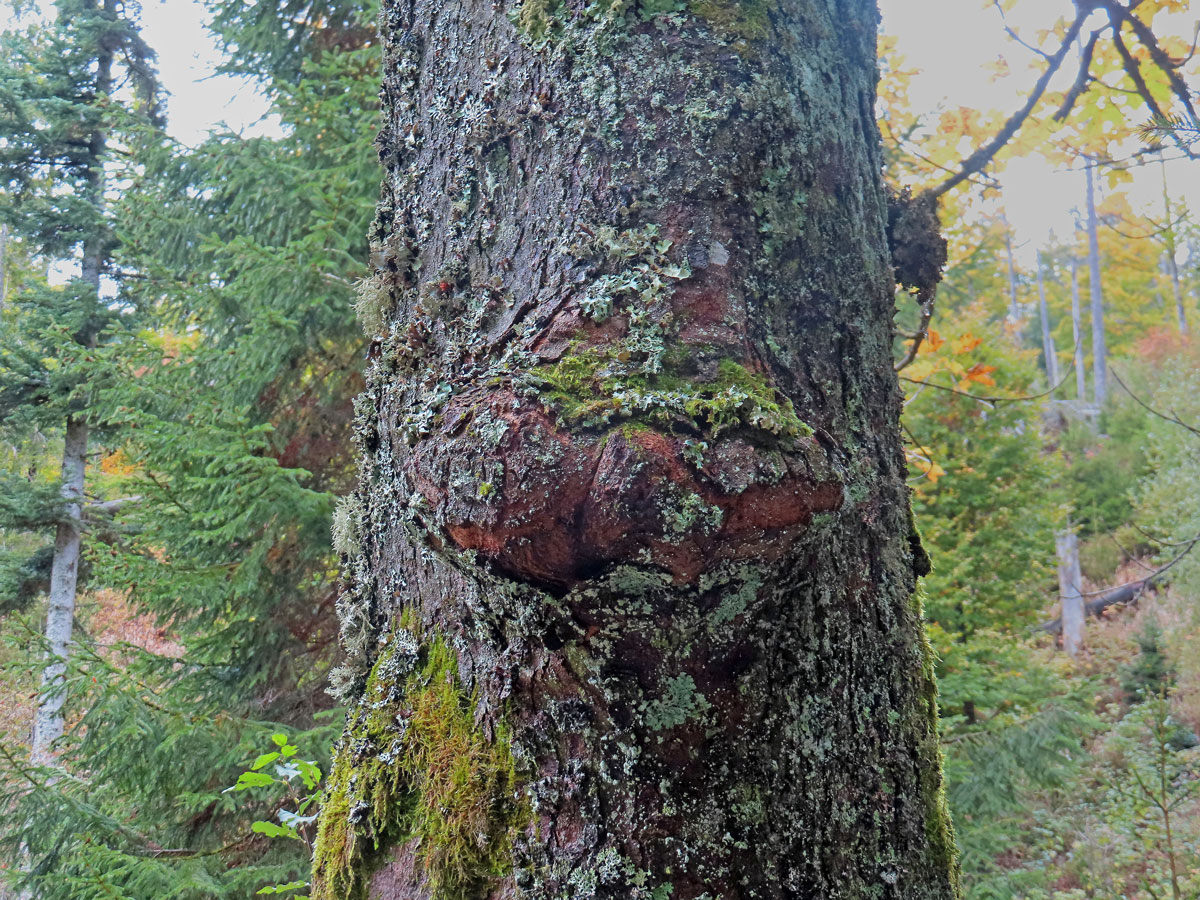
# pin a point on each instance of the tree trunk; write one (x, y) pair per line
(1048, 351)
(64, 569)
(1099, 347)
(1070, 579)
(60, 611)
(1014, 308)
(3, 265)
(1077, 334)
(630, 604)
(1171, 266)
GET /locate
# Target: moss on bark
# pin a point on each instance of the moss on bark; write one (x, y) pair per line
(414, 766)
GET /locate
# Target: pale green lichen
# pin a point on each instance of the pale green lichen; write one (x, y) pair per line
(373, 303)
(346, 524)
(679, 703)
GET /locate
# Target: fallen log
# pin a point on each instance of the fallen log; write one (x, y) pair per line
(1119, 596)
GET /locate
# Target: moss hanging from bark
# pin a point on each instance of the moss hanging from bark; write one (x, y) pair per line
(414, 766)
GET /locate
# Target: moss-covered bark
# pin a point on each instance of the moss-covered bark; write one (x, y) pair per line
(632, 495)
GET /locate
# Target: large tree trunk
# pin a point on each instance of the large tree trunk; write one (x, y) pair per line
(1099, 346)
(630, 608)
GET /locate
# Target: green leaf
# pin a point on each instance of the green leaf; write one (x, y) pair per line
(249, 780)
(270, 829)
(263, 760)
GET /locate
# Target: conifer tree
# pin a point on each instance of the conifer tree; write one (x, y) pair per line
(229, 409)
(72, 87)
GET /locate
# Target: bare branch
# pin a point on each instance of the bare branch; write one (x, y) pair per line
(987, 401)
(1172, 418)
(981, 157)
(918, 337)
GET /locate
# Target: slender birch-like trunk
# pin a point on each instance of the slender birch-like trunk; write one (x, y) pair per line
(1099, 345)
(1171, 265)
(1077, 334)
(1014, 308)
(64, 571)
(1070, 579)
(1048, 351)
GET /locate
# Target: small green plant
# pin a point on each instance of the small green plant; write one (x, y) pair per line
(298, 813)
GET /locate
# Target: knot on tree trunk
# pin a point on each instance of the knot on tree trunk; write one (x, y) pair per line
(553, 505)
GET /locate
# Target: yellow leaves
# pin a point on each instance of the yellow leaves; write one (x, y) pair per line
(117, 463)
(963, 122)
(999, 68)
(933, 341)
(966, 343)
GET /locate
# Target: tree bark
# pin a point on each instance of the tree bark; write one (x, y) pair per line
(1171, 266)
(3, 265)
(60, 611)
(1070, 579)
(632, 550)
(64, 569)
(1099, 347)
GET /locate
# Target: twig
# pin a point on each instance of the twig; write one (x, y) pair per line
(1174, 419)
(987, 400)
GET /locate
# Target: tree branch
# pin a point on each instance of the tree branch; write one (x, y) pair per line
(981, 157)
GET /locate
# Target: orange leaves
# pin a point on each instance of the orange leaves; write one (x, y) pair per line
(930, 362)
(981, 374)
(966, 343)
(117, 463)
(919, 459)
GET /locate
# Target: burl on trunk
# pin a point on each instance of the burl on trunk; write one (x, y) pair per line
(630, 601)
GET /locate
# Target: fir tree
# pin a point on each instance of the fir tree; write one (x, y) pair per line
(72, 89)
(233, 402)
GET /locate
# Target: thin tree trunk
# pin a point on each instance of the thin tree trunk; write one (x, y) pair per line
(3, 265)
(1014, 308)
(1099, 346)
(632, 525)
(64, 571)
(1077, 334)
(60, 612)
(1171, 266)
(1070, 579)
(1048, 351)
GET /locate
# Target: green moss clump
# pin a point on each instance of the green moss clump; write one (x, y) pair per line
(594, 387)
(744, 19)
(939, 828)
(414, 766)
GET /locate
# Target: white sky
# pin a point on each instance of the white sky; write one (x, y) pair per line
(951, 41)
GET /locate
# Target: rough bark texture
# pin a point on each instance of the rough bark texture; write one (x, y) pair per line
(631, 602)
(1099, 345)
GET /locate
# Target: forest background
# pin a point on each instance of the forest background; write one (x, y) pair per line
(213, 355)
